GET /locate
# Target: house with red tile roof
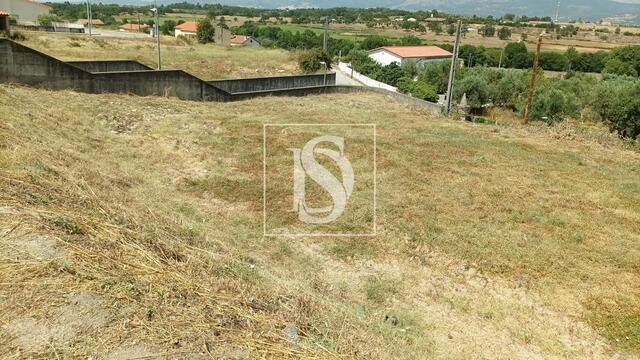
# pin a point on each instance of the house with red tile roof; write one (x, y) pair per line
(189, 28)
(388, 54)
(243, 40)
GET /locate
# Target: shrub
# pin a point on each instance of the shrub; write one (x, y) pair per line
(618, 67)
(618, 103)
(424, 91)
(419, 89)
(554, 61)
(205, 31)
(310, 60)
(389, 74)
(551, 104)
(476, 88)
(504, 33)
(436, 74)
(373, 42)
(516, 56)
(17, 36)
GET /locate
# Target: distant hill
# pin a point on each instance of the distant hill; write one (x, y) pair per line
(569, 9)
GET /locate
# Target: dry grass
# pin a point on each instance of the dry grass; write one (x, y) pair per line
(495, 241)
(206, 61)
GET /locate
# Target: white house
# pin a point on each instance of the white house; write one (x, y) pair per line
(388, 54)
(189, 28)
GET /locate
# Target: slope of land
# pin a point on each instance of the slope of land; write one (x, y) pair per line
(132, 227)
(205, 61)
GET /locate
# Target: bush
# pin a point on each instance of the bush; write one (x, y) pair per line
(436, 74)
(418, 89)
(554, 61)
(618, 103)
(389, 74)
(205, 32)
(424, 91)
(551, 105)
(17, 36)
(618, 67)
(310, 60)
(476, 88)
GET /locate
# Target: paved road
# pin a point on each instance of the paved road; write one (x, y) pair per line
(344, 79)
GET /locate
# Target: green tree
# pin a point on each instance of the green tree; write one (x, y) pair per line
(373, 42)
(618, 67)
(477, 90)
(410, 40)
(311, 61)
(554, 61)
(504, 33)
(205, 32)
(516, 56)
(618, 103)
(488, 31)
(451, 29)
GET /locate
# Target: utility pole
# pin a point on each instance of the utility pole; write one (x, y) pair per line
(557, 11)
(324, 39)
(500, 62)
(452, 71)
(156, 31)
(89, 16)
(533, 82)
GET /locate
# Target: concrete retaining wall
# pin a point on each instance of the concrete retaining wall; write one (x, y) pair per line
(273, 83)
(109, 65)
(24, 65)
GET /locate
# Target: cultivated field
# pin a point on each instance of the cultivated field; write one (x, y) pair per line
(584, 42)
(132, 226)
(206, 61)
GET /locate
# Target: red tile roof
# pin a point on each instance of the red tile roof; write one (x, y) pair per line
(189, 26)
(133, 27)
(2, 13)
(239, 39)
(416, 51)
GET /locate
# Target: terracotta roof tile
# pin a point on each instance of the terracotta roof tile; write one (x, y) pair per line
(189, 26)
(416, 51)
(239, 39)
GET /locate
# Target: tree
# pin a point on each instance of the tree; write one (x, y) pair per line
(410, 40)
(618, 67)
(373, 42)
(48, 19)
(516, 56)
(477, 91)
(554, 61)
(509, 17)
(451, 29)
(168, 27)
(504, 33)
(436, 27)
(205, 32)
(310, 61)
(618, 103)
(488, 31)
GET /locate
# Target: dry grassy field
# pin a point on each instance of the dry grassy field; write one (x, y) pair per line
(205, 61)
(131, 227)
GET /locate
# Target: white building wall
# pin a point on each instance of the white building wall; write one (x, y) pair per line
(384, 57)
(178, 32)
(367, 81)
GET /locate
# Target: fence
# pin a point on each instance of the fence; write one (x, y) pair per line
(364, 79)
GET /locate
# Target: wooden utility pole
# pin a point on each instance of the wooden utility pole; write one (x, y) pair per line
(532, 87)
(452, 71)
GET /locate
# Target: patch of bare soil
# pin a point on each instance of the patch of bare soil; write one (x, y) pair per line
(82, 314)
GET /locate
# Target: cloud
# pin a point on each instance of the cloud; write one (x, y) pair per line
(632, 2)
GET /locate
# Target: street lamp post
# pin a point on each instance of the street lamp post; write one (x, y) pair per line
(325, 72)
(156, 31)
